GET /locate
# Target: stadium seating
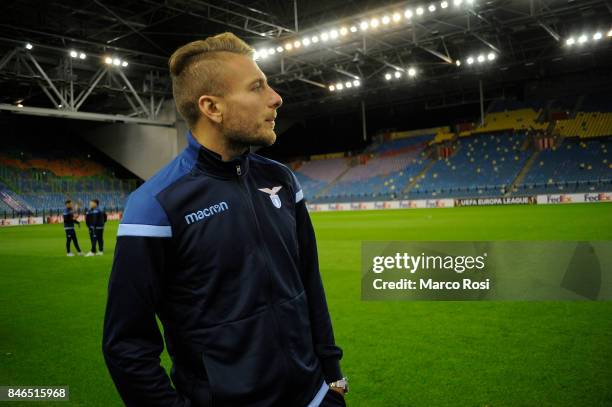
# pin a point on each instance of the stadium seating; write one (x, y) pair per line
(575, 166)
(32, 182)
(381, 177)
(483, 165)
(585, 125)
(316, 174)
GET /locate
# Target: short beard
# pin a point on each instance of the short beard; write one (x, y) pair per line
(238, 139)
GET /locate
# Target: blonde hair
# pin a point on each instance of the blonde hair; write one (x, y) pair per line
(196, 69)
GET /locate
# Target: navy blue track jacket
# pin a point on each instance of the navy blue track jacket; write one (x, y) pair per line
(224, 253)
(92, 217)
(69, 219)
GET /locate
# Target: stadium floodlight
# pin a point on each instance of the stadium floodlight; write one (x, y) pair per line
(582, 39)
(124, 64)
(356, 83)
(73, 54)
(444, 4)
(82, 55)
(470, 2)
(470, 61)
(324, 36)
(288, 46)
(279, 49)
(432, 8)
(108, 60)
(332, 88)
(388, 76)
(363, 25)
(412, 72)
(408, 14)
(333, 34)
(353, 29)
(263, 53)
(457, 3)
(271, 51)
(386, 20)
(348, 84)
(458, 62)
(420, 11)
(570, 41)
(315, 39)
(343, 31)
(374, 23)
(19, 105)
(396, 17)
(29, 46)
(397, 74)
(297, 44)
(609, 33)
(116, 61)
(491, 56)
(597, 36)
(306, 41)
(481, 58)
(339, 86)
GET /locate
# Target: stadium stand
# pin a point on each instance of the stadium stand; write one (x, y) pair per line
(504, 156)
(32, 181)
(382, 177)
(561, 145)
(575, 166)
(483, 165)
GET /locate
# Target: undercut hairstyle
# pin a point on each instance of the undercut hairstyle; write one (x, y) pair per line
(197, 69)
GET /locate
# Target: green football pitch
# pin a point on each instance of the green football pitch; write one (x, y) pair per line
(395, 353)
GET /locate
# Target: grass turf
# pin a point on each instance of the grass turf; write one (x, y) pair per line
(396, 353)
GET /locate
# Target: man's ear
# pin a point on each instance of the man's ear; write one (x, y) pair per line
(211, 107)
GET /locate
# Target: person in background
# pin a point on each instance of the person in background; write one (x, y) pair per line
(100, 221)
(69, 222)
(91, 219)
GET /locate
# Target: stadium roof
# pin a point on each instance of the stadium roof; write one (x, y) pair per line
(362, 43)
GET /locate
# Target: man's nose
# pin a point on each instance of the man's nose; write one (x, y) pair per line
(277, 100)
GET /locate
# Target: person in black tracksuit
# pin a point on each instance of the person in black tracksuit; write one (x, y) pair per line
(220, 247)
(91, 220)
(69, 222)
(100, 221)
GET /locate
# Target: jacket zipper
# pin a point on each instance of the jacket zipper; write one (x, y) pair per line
(245, 192)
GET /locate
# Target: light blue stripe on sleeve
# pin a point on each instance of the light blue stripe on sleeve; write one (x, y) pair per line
(130, 229)
(318, 398)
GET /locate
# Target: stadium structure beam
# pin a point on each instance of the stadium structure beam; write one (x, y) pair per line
(320, 85)
(117, 118)
(87, 91)
(48, 81)
(550, 31)
(226, 16)
(7, 57)
(128, 24)
(443, 57)
(134, 93)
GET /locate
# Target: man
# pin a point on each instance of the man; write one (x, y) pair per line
(91, 219)
(219, 245)
(99, 222)
(69, 222)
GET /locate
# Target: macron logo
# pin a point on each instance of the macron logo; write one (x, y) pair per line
(205, 213)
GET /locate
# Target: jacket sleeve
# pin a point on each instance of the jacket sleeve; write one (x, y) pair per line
(132, 342)
(322, 332)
